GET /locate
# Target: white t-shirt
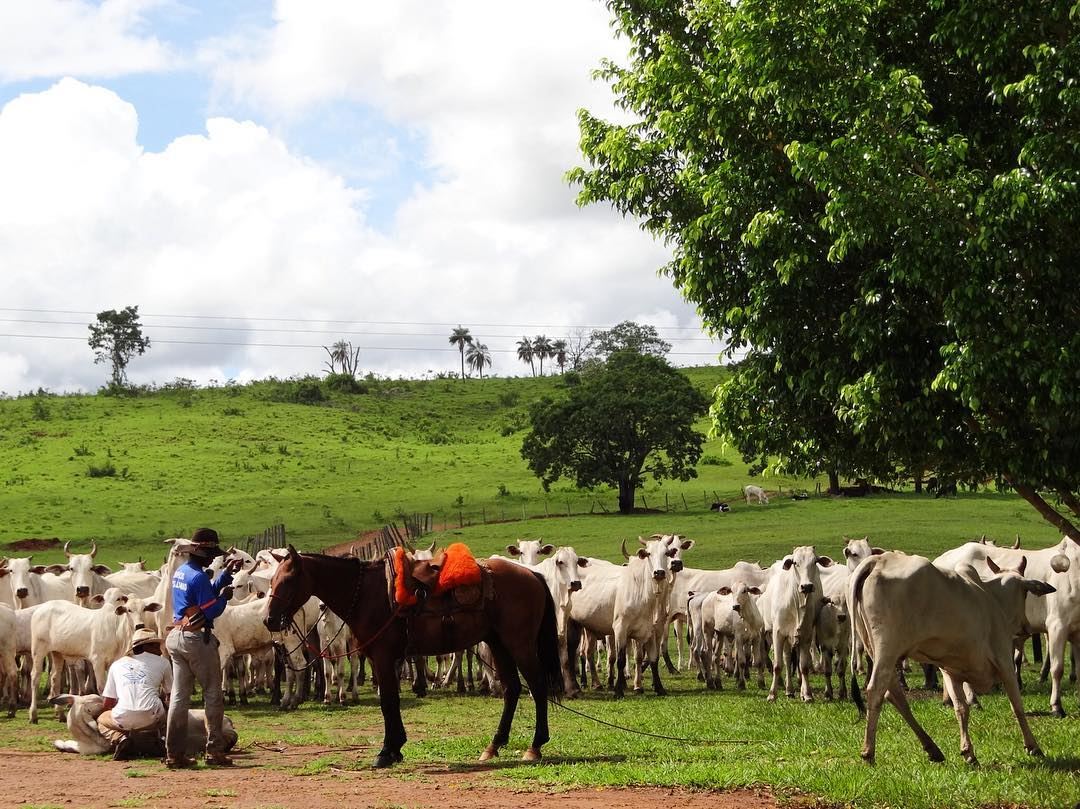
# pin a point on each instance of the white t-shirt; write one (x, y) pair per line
(135, 684)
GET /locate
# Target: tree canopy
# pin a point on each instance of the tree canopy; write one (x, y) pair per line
(630, 418)
(876, 202)
(627, 336)
(115, 338)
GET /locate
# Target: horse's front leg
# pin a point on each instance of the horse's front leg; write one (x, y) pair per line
(385, 671)
(508, 675)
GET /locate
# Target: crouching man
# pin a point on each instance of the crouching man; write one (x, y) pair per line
(134, 716)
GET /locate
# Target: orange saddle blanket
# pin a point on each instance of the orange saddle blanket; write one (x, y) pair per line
(458, 569)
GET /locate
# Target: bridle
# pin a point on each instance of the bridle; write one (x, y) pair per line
(323, 654)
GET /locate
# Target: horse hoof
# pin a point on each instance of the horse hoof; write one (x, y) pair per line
(531, 754)
(489, 753)
(936, 755)
(386, 759)
(1035, 751)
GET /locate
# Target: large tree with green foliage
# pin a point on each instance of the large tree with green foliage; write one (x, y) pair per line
(115, 337)
(627, 336)
(630, 418)
(879, 202)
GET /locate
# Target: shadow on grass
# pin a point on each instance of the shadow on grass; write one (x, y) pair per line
(1056, 763)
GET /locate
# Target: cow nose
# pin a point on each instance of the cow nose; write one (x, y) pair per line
(676, 566)
(659, 574)
(806, 588)
(575, 586)
(22, 592)
(82, 592)
(736, 607)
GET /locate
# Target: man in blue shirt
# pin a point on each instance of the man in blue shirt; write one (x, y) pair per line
(194, 650)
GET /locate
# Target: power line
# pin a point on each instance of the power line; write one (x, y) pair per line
(303, 345)
(355, 321)
(253, 329)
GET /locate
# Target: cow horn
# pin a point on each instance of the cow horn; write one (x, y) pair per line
(66, 551)
(642, 542)
(624, 553)
(431, 547)
(1016, 545)
(93, 549)
(982, 539)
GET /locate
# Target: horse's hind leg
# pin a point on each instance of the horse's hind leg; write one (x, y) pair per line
(508, 674)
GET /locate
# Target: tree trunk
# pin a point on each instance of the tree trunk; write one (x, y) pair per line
(626, 496)
(918, 480)
(1046, 510)
(834, 482)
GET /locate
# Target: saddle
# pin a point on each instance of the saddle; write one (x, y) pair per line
(432, 592)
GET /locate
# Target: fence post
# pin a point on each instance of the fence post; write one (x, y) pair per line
(684, 505)
(644, 502)
(667, 505)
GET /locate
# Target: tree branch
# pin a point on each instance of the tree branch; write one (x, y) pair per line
(1045, 509)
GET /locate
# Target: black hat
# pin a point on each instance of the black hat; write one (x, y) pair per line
(204, 543)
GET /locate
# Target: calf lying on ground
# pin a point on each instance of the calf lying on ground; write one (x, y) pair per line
(88, 741)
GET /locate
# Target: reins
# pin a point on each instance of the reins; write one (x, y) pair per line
(324, 653)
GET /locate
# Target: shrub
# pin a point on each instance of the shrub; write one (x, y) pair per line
(106, 470)
(712, 460)
(509, 398)
(82, 451)
(344, 383)
(232, 411)
(39, 410)
(503, 491)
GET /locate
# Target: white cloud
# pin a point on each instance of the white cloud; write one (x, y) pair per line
(47, 38)
(234, 222)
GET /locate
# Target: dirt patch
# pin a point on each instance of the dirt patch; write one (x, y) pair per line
(263, 779)
(33, 544)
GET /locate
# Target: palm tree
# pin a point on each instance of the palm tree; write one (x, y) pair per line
(525, 352)
(558, 352)
(478, 356)
(542, 349)
(460, 337)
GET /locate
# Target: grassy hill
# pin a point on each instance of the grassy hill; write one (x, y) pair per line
(129, 472)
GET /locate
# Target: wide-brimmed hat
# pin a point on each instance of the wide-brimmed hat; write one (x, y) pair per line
(144, 637)
(204, 543)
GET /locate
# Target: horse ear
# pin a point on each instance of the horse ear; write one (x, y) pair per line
(294, 555)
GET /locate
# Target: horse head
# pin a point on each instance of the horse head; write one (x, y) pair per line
(289, 591)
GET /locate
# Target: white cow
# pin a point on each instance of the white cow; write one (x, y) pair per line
(336, 639)
(561, 572)
(61, 629)
(1062, 615)
(33, 584)
(751, 490)
(738, 624)
(855, 550)
(789, 607)
(639, 586)
(134, 579)
(9, 675)
(905, 605)
(698, 580)
(87, 739)
(86, 577)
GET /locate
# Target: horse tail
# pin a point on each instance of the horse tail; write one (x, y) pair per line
(547, 645)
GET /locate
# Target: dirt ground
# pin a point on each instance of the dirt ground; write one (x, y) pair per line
(265, 778)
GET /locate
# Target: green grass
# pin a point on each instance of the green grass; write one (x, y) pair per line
(735, 739)
(238, 459)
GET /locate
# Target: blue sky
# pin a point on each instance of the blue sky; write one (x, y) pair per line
(371, 172)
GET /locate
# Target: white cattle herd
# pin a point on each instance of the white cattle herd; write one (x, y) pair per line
(967, 612)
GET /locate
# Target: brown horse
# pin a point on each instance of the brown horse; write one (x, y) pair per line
(518, 623)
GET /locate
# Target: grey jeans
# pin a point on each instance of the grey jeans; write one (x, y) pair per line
(194, 660)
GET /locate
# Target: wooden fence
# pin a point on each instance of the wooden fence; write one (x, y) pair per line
(272, 537)
(391, 536)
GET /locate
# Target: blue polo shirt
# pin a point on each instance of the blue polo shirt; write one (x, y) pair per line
(192, 587)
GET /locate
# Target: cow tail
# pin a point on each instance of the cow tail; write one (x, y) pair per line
(547, 646)
(861, 573)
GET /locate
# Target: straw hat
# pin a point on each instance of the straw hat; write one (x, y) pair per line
(144, 637)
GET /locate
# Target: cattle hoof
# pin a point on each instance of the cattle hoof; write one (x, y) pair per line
(867, 756)
(741, 686)
(807, 699)
(771, 698)
(969, 757)
(639, 690)
(660, 692)
(1057, 711)
(489, 753)
(532, 754)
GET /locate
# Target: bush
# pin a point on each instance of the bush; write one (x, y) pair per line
(712, 460)
(106, 470)
(232, 411)
(82, 451)
(509, 398)
(39, 410)
(344, 383)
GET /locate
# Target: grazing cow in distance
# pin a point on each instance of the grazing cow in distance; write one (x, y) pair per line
(905, 605)
(721, 507)
(755, 491)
